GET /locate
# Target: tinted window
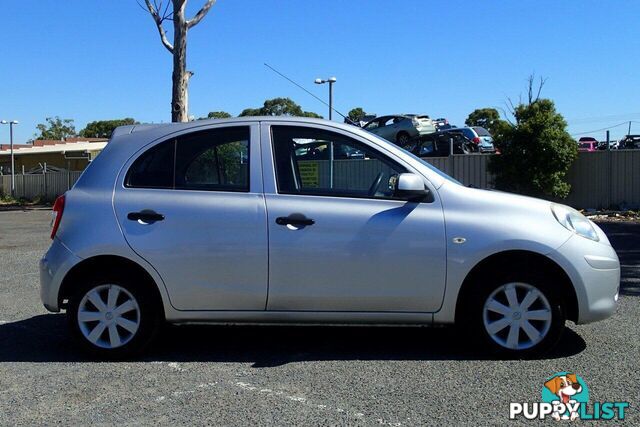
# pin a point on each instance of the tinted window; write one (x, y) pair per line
(315, 162)
(154, 169)
(372, 125)
(215, 159)
(481, 131)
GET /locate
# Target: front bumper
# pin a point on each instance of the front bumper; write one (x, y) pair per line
(594, 270)
(54, 266)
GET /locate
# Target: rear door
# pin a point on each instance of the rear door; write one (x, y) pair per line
(192, 206)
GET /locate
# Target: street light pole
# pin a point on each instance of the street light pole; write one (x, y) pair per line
(331, 98)
(331, 81)
(13, 177)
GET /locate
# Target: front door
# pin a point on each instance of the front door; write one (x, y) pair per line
(338, 238)
(192, 206)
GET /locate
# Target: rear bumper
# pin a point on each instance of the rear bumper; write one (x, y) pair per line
(594, 270)
(54, 266)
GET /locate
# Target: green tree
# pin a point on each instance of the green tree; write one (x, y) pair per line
(279, 107)
(217, 115)
(536, 151)
(250, 112)
(488, 118)
(104, 128)
(356, 114)
(55, 128)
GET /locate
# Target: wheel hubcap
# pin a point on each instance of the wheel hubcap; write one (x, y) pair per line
(517, 316)
(108, 316)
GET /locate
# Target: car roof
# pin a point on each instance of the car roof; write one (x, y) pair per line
(166, 128)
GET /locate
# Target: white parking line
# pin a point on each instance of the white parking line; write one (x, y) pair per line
(270, 393)
(175, 366)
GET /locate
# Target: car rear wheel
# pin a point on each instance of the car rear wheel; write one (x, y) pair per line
(402, 139)
(113, 317)
(518, 316)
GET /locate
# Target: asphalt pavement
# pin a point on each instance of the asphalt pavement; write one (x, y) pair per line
(254, 375)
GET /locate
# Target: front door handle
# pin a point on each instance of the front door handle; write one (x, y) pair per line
(145, 216)
(297, 220)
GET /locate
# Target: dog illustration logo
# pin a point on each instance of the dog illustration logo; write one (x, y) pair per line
(565, 396)
(567, 389)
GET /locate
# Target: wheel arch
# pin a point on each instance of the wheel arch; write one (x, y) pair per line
(110, 263)
(511, 260)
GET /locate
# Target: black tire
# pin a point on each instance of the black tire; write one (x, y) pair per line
(149, 315)
(472, 314)
(402, 138)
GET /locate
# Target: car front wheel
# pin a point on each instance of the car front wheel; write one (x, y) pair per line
(517, 318)
(112, 317)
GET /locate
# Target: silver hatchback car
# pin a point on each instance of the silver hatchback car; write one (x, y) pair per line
(273, 220)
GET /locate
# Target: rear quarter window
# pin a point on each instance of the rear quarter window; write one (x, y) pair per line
(154, 168)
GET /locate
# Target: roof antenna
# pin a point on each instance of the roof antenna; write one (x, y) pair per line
(301, 87)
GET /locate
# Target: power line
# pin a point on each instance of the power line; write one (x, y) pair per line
(301, 87)
(603, 129)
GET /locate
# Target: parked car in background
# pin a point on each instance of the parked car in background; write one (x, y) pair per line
(363, 120)
(228, 221)
(401, 127)
(438, 144)
(442, 124)
(480, 137)
(613, 145)
(630, 141)
(587, 143)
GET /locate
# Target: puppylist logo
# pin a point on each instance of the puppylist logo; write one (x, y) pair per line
(565, 396)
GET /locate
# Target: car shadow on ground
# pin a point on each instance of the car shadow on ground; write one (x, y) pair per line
(625, 238)
(44, 338)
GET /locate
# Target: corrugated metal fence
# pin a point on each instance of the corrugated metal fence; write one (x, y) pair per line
(600, 179)
(44, 185)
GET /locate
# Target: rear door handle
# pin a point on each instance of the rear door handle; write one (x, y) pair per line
(145, 216)
(297, 220)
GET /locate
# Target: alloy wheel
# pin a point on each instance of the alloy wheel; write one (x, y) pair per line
(108, 316)
(517, 316)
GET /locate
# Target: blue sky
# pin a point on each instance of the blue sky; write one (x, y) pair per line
(89, 59)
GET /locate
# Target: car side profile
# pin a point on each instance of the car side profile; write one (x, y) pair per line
(400, 128)
(297, 220)
(439, 144)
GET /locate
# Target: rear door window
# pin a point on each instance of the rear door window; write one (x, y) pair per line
(153, 169)
(213, 159)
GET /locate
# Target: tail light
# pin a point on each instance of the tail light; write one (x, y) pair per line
(476, 140)
(56, 215)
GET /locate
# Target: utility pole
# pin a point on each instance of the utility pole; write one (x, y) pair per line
(13, 174)
(629, 132)
(331, 81)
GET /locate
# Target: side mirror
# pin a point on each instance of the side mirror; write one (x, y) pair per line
(411, 187)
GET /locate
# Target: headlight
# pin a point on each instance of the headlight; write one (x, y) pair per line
(574, 221)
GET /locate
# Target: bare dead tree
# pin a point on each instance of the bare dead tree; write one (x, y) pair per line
(531, 87)
(531, 84)
(159, 11)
